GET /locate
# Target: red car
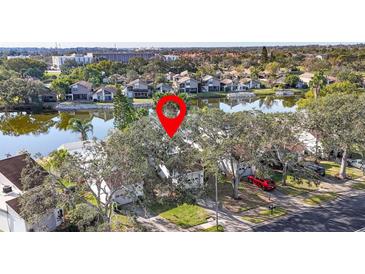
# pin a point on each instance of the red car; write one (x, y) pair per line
(265, 184)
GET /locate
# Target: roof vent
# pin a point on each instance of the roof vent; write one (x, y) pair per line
(7, 189)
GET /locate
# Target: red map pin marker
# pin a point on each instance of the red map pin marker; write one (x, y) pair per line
(171, 125)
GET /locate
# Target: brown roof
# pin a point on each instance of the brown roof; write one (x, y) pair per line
(85, 84)
(12, 169)
(14, 204)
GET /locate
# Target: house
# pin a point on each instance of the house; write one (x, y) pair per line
(187, 84)
(179, 76)
(242, 85)
(48, 96)
(253, 84)
(284, 93)
(306, 77)
(11, 188)
(80, 91)
(163, 87)
(231, 166)
(170, 76)
(228, 85)
(105, 94)
(210, 83)
(137, 89)
(190, 179)
(128, 194)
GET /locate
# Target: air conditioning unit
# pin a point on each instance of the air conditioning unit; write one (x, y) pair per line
(7, 189)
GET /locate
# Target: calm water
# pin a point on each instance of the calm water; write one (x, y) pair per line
(43, 133)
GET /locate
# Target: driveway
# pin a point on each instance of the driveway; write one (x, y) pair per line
(345, 214)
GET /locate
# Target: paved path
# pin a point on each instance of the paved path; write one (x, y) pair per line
(344, 214)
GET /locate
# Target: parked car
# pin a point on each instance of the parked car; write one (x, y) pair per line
(358, 163)
(265, 184)
(320, 170)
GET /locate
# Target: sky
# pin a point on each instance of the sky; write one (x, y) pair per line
(160, 44)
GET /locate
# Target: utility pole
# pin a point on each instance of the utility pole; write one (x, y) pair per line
(216, 201)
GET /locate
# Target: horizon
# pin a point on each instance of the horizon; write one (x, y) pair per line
(126, 45)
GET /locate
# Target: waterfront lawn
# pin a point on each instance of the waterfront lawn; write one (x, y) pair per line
(186, 215)
(206, 95)
(142, 100)
(214, 228)
(272, 91)
(333, 169)
(318, 199)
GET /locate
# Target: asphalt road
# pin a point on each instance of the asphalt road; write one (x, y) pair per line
(346, 214)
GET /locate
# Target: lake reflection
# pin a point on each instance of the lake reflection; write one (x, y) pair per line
(45, 132)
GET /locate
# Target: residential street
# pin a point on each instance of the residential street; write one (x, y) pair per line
(347, 214)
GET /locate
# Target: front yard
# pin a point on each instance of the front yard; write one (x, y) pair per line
(186, 215)
(333, 169)
(265, 215)
(321, 198)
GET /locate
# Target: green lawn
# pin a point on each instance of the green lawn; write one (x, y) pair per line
(120, 222)
(186, 215)
(277, 212)
(333, 169)
(265, 215)
(254, 219)
(214, 229)
(295, 186)
(212, 94)
(318, 199)
(264, 91)
(358, 186)
(142, 100)
(90, 198)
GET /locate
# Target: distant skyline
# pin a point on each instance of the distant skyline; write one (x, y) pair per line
(161, 44)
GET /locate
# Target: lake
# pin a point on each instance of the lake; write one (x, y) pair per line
(45, 132)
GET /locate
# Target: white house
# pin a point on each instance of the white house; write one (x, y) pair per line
(228, 85)
(105, 94)
(210, 83)
(125, 195)
(187, 84)
(58, 61)
(228, 167)
(163, 87)
(191, 179)
(137, 89)
(11, 189)
(80, 91)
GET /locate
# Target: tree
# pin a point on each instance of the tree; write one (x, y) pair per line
(291, 80)
(27, 65)
(61, 86)
(124, 113)
(41, 194)
(317, 83)
(17, 91)
(103, 171)
(264, 55)
(82, 127)
(339, 119)
(350, 76)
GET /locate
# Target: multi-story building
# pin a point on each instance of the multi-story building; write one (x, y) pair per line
(123, 57)
(58, 61)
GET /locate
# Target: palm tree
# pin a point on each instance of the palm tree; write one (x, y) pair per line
(317, 83)
(82, 127)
